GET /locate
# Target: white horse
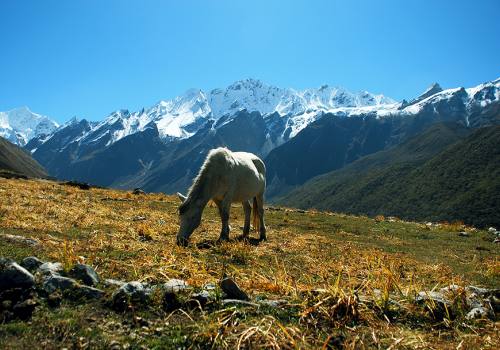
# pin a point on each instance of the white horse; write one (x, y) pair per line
(225, 177)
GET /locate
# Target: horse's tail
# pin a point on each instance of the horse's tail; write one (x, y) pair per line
(256, 215)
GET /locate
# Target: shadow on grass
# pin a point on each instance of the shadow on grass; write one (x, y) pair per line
(211, 243)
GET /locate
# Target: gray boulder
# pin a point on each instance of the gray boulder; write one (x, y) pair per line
(56, 282)
(14, 276)
(84, 273)
(50, 268)
(31, 263)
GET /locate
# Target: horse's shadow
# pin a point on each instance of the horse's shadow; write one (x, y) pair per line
(211, 243)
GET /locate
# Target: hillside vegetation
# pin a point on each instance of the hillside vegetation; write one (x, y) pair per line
(341, 281)
(16, 161)
(438, 175)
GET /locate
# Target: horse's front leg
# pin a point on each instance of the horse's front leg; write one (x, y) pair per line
(247, 208)
(224, 211)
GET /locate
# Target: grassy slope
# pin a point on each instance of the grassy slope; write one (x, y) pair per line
(305, 251)
(15, 159)
(433, 176)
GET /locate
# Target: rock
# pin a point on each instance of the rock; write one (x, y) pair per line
(80, 185)
(20, 239)
(435, 302)
(109, 282)
(84, 273)
(86, 292)
(232, 290)
(31, 263)
(23, 310)
(139, 218)
(496, 240)
(174, 286)
(131, 293)
(14, 276)
(138, 191)
(464, 234)
(56, 282)
(200, 299)
(477, 312)
(492, 230)
(50, 268)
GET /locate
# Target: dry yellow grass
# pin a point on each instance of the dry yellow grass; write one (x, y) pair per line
(132, 237)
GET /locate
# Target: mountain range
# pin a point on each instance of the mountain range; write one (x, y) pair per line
(300, 134)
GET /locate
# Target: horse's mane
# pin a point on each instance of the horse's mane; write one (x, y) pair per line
(201, 182)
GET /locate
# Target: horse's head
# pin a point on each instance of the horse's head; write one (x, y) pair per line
(189, 217)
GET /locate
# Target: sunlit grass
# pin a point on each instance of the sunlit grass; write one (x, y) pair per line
(339, 275)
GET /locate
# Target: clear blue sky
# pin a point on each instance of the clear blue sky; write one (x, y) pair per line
(88, 58)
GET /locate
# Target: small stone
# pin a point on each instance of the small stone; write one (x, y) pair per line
(464, 234)
(14, 276)
(50, 268)
(174, 286)
(477, 312)
(139, 218)
(492, 230)
(31, 263)
(232, 290)
(84, 273)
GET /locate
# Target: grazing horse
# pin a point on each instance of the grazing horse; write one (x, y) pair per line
(225, 177)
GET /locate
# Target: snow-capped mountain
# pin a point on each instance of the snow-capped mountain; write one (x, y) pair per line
(299, 133)
(182, 116)
(20, 125)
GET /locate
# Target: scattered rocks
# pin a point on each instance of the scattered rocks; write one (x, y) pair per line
(14, 276)
(31, 263)
(131, 293)
(232, 290)
(84, 273)
(20, 239)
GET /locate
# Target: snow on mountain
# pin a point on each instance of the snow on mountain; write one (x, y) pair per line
(19, 125)
(470, 98)
(182, 116)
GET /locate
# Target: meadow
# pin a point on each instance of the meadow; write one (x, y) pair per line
(340, 280)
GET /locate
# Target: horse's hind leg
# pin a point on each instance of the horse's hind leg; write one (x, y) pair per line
(260, 208)
(224, 209)
(248, 210)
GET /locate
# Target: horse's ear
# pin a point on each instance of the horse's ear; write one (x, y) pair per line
(181, 196)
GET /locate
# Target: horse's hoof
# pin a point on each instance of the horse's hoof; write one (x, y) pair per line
(182, 242)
